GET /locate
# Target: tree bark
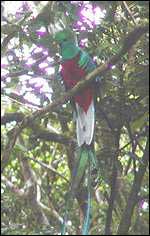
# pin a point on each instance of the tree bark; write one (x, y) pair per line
(113, 186)
(132, 199)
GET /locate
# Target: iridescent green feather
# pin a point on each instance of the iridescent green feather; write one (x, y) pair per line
(80, 168)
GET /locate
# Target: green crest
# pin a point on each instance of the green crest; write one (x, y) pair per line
(63, 35)
(68, 45)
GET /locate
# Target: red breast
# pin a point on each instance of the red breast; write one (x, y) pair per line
(72, 74)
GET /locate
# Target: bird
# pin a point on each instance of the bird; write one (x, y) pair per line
(75, 65)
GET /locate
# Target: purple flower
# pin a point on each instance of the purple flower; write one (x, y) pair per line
(143, 204)
(110, 66)
(41, 32)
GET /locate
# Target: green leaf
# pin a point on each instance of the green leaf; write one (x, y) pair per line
(139, 123)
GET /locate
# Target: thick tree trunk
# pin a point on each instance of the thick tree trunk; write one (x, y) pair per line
(111, 201)
(132, 200)
(113, 185)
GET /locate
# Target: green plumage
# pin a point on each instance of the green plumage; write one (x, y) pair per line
(86, 161)
(87, 220)
(80, 168)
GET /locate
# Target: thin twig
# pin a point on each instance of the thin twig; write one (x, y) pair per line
(129, 12)
(48, 167)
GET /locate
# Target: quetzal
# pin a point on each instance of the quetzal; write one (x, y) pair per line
(76, 64)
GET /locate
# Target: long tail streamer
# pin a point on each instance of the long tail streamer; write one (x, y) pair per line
(86, 159)
(86, 224)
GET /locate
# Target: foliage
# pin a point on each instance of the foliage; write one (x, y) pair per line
(37, 176)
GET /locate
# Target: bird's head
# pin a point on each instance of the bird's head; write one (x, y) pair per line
(67, 43)
(64, 36)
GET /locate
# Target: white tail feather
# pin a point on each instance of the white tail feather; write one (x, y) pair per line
(85, 124)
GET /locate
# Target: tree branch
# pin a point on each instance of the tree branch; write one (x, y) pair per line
(48, 167)
(9, 117)
(38, 131)
(19, 192)
(51, 136)
(129, 12)
(20, 99)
